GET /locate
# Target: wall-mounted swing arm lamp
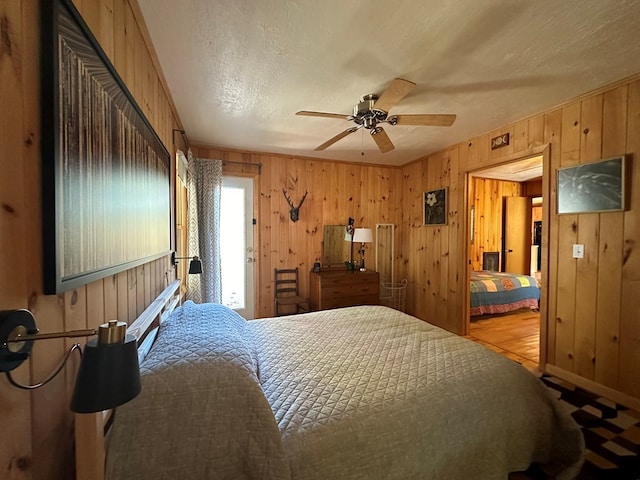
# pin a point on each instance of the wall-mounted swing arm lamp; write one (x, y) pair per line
(195, 265)
(108, 376)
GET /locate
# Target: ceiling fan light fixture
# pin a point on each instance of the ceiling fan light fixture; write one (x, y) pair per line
(373, 109)
(369, 122)
(365, 106)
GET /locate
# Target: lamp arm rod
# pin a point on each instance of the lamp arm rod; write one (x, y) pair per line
(17, 336)
(75, 346)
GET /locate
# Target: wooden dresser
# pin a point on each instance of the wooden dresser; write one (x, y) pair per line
(343, 288)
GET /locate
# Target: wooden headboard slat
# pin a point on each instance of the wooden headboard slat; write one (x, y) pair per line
(166, 301)
(89, 427)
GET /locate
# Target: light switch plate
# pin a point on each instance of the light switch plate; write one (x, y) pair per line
(578, 251)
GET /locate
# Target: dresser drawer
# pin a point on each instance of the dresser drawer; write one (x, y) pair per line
(334, 289)
(350, 280)
(339, 291)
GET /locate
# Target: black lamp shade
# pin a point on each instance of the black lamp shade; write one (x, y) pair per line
(195, 266)
(109, 376)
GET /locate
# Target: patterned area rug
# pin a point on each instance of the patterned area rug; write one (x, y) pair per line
(611, 432)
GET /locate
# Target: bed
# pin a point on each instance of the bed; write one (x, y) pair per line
(499, 292)
(358, 392)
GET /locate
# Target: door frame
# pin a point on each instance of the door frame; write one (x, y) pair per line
(547, 191)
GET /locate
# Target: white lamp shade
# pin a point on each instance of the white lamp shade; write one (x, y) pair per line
(363, 235)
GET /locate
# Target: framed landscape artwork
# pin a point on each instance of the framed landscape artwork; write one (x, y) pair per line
(106, 177)
(435, 207)
(592, 187)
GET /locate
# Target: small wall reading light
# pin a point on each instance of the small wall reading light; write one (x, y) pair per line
(195, 265)
(108, 376)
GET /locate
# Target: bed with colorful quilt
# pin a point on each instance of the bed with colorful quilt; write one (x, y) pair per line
(500, 292)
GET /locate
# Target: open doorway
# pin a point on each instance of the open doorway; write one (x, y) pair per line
(505, 255)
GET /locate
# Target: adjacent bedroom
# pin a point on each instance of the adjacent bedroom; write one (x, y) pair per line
(505, 250)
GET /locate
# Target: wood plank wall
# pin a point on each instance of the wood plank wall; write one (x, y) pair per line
(337, 191)
(37, 427)
(427, 252)
(487, 196)
(593, 330)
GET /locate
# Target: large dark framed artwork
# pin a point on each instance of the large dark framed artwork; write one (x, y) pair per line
(435, 207)
(592, 187)
(105, 172)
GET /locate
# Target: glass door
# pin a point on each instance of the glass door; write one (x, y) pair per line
(236, 245)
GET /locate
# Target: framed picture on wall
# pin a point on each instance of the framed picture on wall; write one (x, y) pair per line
(435, 207)
(491, 261)
(106, 173)
(592, 187)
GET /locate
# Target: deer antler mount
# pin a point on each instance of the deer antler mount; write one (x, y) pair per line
(294, 212)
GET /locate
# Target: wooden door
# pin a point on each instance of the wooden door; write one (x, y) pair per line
(517, 235)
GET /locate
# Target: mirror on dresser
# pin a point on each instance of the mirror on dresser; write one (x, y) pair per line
(335, 249)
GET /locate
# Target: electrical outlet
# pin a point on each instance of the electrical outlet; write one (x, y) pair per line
(578, 251)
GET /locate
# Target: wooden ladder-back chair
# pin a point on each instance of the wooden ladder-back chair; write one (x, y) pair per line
(287, 294)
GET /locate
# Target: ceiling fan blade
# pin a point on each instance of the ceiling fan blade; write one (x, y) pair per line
(434, 120)
(333, 140)
(322, 114)
(382, 140)
(395, 92)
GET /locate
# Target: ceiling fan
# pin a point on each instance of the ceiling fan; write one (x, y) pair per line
(372, 110)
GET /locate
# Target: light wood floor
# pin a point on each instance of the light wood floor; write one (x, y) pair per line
(515, 335)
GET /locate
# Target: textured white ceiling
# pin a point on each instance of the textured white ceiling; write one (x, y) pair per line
(519, 171)
(239, 70)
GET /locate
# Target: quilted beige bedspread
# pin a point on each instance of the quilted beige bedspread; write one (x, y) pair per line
(201, 413)
(355, 393)
(369, 392)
